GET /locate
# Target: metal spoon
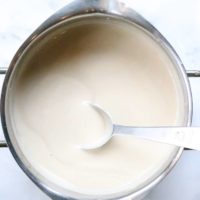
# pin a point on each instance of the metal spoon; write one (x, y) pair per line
(188, 137)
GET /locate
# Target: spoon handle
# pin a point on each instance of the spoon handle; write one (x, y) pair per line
(188, 137)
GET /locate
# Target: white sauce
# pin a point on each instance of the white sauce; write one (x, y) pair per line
(121, 69)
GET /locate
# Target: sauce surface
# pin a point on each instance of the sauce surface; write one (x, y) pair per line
(116, 66)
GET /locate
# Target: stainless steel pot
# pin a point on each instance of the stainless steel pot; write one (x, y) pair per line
(76, 10)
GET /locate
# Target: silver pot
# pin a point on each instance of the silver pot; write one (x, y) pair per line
(76, 10)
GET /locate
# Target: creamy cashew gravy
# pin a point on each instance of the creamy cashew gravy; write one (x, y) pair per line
(116, 66)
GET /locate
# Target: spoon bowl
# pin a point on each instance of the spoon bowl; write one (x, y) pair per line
(108, 128)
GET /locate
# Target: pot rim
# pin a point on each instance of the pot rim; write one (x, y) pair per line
(80, 8)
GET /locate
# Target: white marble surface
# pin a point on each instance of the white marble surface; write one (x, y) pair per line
(178, 21)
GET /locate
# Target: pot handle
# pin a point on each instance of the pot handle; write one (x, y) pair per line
(193, 73)
(190, 73)
(3, 72)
